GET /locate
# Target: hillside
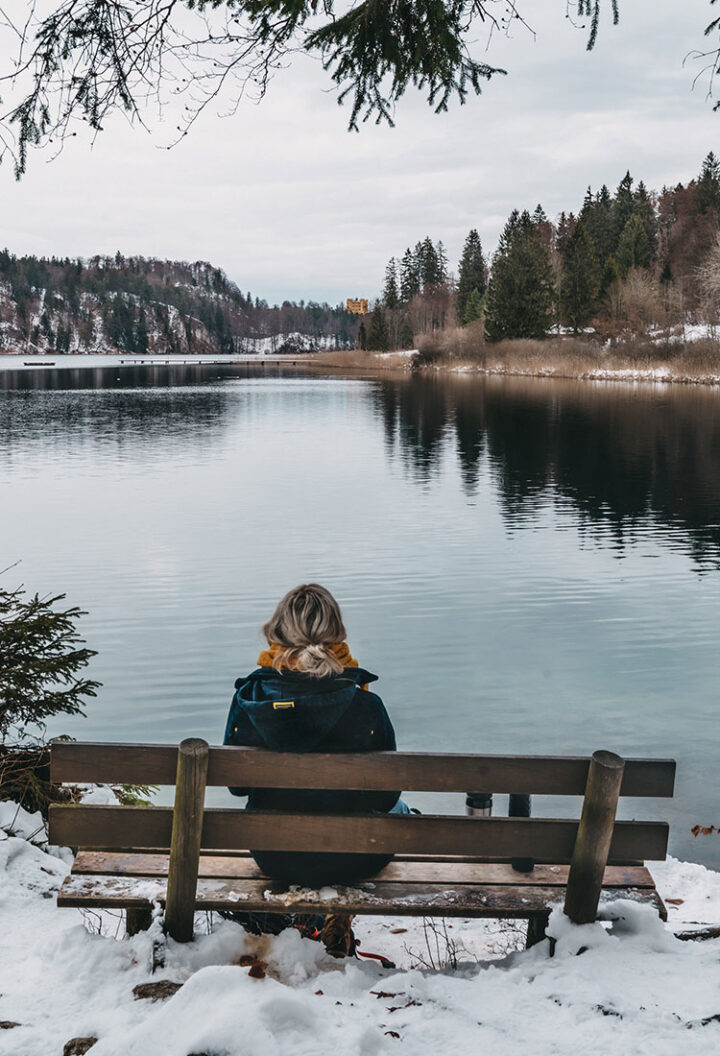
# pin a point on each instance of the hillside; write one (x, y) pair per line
(136, 304)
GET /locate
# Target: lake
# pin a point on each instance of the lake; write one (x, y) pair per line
(530, 565)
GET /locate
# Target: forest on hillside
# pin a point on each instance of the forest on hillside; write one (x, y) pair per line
(627, 265)
(139, 305)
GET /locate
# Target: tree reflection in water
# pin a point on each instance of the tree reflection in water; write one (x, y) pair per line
(628, 458)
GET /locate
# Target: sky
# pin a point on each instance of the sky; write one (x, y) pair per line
(292, 205)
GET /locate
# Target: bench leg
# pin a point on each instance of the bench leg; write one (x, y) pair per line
(192, 764)
(137, 920)
(537, 924)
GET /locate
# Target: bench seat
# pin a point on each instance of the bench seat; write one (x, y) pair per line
(408, 886)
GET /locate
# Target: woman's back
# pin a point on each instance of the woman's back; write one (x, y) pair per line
(287, 709)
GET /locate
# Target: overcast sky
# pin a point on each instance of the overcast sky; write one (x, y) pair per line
(292, 205)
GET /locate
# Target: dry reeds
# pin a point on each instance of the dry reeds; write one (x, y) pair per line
(567, 356)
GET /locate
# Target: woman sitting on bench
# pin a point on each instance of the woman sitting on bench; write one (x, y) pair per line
(309, 695)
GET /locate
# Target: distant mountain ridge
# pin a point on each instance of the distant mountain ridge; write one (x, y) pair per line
(144, 305)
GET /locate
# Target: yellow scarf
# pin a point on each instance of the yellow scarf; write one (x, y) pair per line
(340, 650)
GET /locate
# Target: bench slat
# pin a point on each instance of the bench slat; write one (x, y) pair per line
(243, 868)
(406, 771)
(545, 839)
(397, 899)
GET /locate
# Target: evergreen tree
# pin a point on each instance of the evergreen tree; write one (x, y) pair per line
(580, 279)
(409, 276)
(623, 206)
(521, 290)
(141, 333)
(610, 274)
(442, 262)
(378, 335)
(544, 228)
(63, 339)
(362, 335)
(47, 328)
(565, 227)
(391, 297)
(406, 337)
(633, 249)
(428, 263)
(474, 308)
(597, 216)
(472, 273)
(421, 262)
(708, 185)
(645, 209)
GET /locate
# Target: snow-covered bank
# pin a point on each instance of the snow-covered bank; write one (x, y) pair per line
(655, 375)
(636, 989)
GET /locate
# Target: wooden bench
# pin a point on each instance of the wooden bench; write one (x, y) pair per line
(190, 858)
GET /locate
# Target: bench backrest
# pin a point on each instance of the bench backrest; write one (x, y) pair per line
(544, 839)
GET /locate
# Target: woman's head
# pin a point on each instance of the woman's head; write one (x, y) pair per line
(305, 624)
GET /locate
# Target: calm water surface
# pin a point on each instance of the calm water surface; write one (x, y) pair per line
(530, 566)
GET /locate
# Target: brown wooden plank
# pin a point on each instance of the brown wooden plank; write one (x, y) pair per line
(377, 898)
(486, 873)
(91, 761)
(406, 771)
(545, 839)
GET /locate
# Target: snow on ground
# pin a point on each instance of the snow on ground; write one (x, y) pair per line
(662, 374)
(400, 353)
(657, 374)
(634, 990)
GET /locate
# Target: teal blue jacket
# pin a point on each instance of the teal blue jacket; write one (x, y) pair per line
(327, 715)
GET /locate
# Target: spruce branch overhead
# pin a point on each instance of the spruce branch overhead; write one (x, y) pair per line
(78, 62)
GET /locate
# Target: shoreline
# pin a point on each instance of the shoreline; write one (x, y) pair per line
(650, 375)
(400, 362)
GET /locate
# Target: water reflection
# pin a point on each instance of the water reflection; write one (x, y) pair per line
(129, 375)
(470, 527)
(625, 458)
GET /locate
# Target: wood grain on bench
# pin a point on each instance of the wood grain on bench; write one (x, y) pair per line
(546, 839)
(407, 771)
(243, 867)
(371, 898)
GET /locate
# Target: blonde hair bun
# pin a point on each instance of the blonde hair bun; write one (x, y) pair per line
(306, 623)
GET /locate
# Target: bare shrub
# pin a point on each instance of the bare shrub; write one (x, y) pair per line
(561, 356)
(457, 343)
(441, 949)
(433, 309)
(108, 923)
(708, 277)
(700, 357)
(635, 306)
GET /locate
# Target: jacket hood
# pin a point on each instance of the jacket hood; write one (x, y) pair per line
(293, 711)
